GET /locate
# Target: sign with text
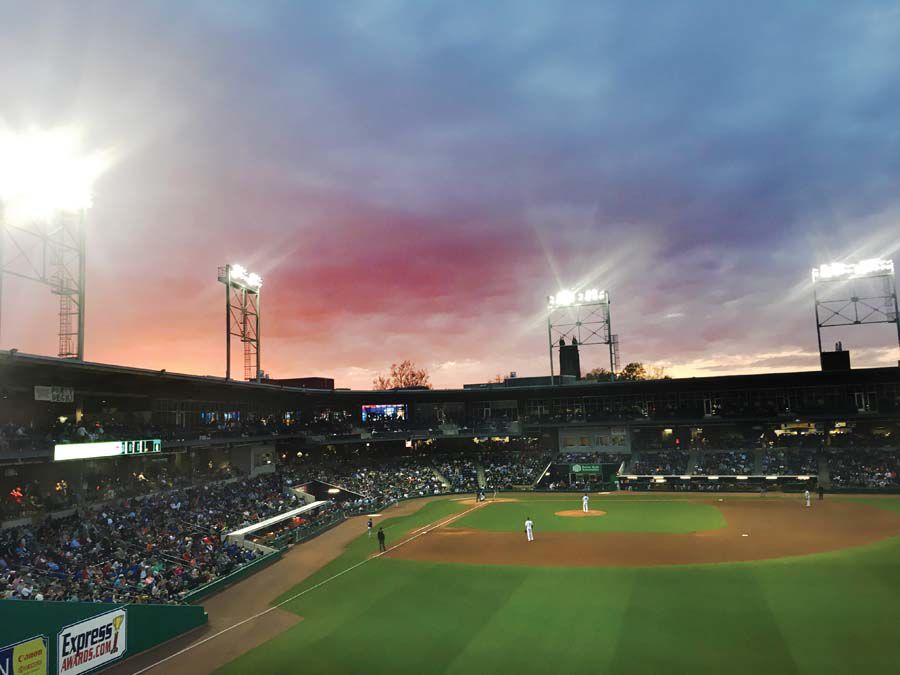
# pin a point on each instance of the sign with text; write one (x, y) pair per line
(54, 394)
(92, 643)
(28, 657)
(585, 468)
(66, 451)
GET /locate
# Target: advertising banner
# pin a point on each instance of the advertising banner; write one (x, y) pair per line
(90, 644)
(28, 657)
(585, 468)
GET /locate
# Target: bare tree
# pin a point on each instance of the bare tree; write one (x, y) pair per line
(657, 373)
(403, 375)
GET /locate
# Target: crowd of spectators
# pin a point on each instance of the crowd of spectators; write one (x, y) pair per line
(790, 462)
(376, 481)
(864, 469)
(155, 548)
(461, 472)
(503, 471)
(660, 463)
(726, 463)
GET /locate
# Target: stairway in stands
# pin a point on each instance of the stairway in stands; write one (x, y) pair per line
(629, 463)
(691, 462)
(758, 455)
(441, 477)
(824, 472)
(479, 468)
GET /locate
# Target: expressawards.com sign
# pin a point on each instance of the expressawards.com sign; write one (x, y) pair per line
(90, 644)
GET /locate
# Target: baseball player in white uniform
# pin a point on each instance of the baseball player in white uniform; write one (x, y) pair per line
(529, 529)
(584, 504)
(806, 496)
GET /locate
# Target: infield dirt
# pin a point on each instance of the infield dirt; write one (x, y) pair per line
(756, 530)
(576, 513)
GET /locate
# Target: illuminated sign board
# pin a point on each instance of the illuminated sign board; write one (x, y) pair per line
(384, 412)
(568, 298)
(54, 394)
(64, 451)
(863, 268)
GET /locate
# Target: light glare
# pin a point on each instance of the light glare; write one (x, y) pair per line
(46, 172)
(838, 270)
(249, 280)
(569, 298)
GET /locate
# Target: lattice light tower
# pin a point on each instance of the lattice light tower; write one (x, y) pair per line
(52, 253)
(45, 192)
(855, 294)
(242, 317)
(582, 315)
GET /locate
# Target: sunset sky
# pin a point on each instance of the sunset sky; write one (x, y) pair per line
(411, 179)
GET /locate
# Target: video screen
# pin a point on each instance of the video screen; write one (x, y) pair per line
(383, 412)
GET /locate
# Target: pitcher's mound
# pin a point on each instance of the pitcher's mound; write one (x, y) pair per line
(579, 513)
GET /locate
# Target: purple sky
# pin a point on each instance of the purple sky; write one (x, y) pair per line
(413, 178)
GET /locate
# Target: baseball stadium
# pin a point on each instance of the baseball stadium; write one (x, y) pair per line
(269, 527)
(621, 277)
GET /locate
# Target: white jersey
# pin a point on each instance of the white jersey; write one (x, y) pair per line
(584, 500)
(529, 524)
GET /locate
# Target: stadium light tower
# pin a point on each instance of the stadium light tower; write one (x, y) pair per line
(583, 315)
(45, 192)
(242, 317)
(854, 294)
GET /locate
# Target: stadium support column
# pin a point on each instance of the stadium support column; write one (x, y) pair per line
(227, 323)
(82, 267)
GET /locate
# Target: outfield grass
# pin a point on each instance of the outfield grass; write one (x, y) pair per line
(830, 613)
(623, 514)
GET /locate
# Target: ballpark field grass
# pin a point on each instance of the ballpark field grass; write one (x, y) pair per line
(832, 612)
(644, 515)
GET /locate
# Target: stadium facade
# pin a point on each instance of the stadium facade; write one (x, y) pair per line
(655, 432)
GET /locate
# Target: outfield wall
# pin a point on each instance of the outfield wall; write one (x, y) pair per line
(81, 636)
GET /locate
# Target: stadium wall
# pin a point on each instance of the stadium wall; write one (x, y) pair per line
(146, 626)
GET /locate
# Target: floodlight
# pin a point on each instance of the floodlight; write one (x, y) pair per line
(45, 172)
(249, 280)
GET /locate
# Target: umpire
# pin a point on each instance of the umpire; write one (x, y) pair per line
(381, 547)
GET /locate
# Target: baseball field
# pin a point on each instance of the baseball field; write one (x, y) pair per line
(650, 583)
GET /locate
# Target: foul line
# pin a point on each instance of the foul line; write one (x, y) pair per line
(421, 531)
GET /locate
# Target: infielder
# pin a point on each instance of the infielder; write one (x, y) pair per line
(529, 529)
(584, 503)
(806, 496)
